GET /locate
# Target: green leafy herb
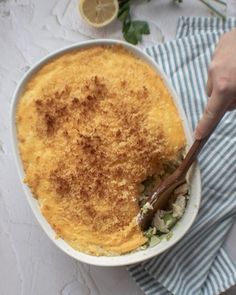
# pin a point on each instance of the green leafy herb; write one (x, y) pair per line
(133, 30)
(150, 232)
(170, 220)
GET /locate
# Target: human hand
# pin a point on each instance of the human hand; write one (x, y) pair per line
(221, 85)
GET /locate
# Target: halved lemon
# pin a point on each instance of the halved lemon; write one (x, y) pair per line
(99, 13)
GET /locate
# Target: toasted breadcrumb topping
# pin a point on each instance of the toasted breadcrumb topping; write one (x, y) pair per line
(109, 150)
(91, 139)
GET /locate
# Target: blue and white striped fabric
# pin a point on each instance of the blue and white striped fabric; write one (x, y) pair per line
(198, 264)
(195, 25)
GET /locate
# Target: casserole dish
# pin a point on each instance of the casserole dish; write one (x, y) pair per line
(194, 200)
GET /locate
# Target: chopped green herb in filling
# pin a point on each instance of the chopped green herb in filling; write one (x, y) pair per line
(164, 220)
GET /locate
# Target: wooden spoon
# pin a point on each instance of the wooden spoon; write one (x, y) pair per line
(161, 195)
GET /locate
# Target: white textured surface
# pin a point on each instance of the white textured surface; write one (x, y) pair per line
(29, 263)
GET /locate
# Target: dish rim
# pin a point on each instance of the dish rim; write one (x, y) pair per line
(136, 256)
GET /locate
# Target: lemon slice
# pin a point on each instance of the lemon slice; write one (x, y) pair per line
(99, 13)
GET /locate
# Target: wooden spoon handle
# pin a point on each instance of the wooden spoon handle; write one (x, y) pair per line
(196, 148)
(161, 194)
(191, 156)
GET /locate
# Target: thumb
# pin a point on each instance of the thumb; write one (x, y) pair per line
(214, 111)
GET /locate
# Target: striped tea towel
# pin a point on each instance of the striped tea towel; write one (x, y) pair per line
(198, 264)
(195, 25)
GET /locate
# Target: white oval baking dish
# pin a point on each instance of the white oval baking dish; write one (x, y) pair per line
(195, 195)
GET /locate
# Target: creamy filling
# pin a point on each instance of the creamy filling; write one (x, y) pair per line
(164, 220)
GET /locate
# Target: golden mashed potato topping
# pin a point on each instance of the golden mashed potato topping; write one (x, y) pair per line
(92, 125)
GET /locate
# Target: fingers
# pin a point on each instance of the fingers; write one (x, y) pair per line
(209, 86)
(221, 85)
(232, 106)
(214, 111)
